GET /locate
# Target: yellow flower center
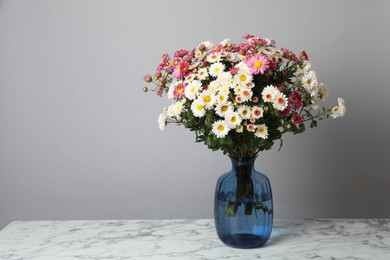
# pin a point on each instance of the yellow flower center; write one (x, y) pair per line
(261, 130)
(180, 91)
(257, 64)
(243, 78)
(234, 119)
(221, 128)
(199, 107)
(192, 89)
(206, 99)
(216, 70)
(308, 82)
(224, 108)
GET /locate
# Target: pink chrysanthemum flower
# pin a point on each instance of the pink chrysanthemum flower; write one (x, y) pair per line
(257, 64)
(178, 92)
(181, 70)
(297, 119)
(295, 99)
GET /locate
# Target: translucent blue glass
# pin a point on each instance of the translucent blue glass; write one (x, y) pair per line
(243, 209)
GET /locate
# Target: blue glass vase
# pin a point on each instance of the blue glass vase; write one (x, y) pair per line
(243, 209)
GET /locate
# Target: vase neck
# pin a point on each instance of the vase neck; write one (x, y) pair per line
(243, 161)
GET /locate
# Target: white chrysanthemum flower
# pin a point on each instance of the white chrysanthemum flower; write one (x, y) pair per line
(189, 78)
(224, 42)
(257, 112)
(340, 109)
(243, 77)
(175, 109)
(223, 78)
(192, 89)
(213, 86)
(233, 119)
(220, 128)
(197, 108)
(280, 102)
(207, 97)
(244, 111)
(261, 131)
(232, 83)
(202, 74)
(222, 97)
(213, 57)
(323, 91)
(162, 120)
(222, 109)
(224, 89)
(200, 54)
(246, 94)
(207, 44)
(303, 69)
(250, 127)
(310, 83)
(238, 89)
(240, 129)
(269, 92)
(171, 88)
(216, 69)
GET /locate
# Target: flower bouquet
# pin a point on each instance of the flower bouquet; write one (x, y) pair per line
(240, 99)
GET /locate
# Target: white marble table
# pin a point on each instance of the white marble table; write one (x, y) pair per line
(191, 239)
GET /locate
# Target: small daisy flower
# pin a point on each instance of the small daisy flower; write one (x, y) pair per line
(222, 109)
(244, 111)
(257, 112)
(189, 78)
(224, 89)
(257, 64)
(175, 109)
(323, 91)
(262, 131)
(222, 97)
(232, 83)
(207, 97)
(246, 94)
(192, 89)
(202, 74)
(162, 120)
(310, 83)
(199, 54)
(213, 86)
(340, 109)
(240, 129)
(220, 128)
(197, 108)
(269, 92)
(250, 127)
(280, 102)
(213, 57)
(233, 119)
(243, 77)
(216, 69)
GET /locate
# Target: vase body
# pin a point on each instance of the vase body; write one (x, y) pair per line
(243, 208)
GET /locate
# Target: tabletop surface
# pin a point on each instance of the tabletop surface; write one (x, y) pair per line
(191, 239)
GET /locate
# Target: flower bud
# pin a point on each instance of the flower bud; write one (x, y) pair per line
(145, 89)
(202, 47)
(148, 78)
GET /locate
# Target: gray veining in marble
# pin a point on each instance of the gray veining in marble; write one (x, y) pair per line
(191, 239)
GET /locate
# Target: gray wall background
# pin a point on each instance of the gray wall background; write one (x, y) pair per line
(80, 140)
